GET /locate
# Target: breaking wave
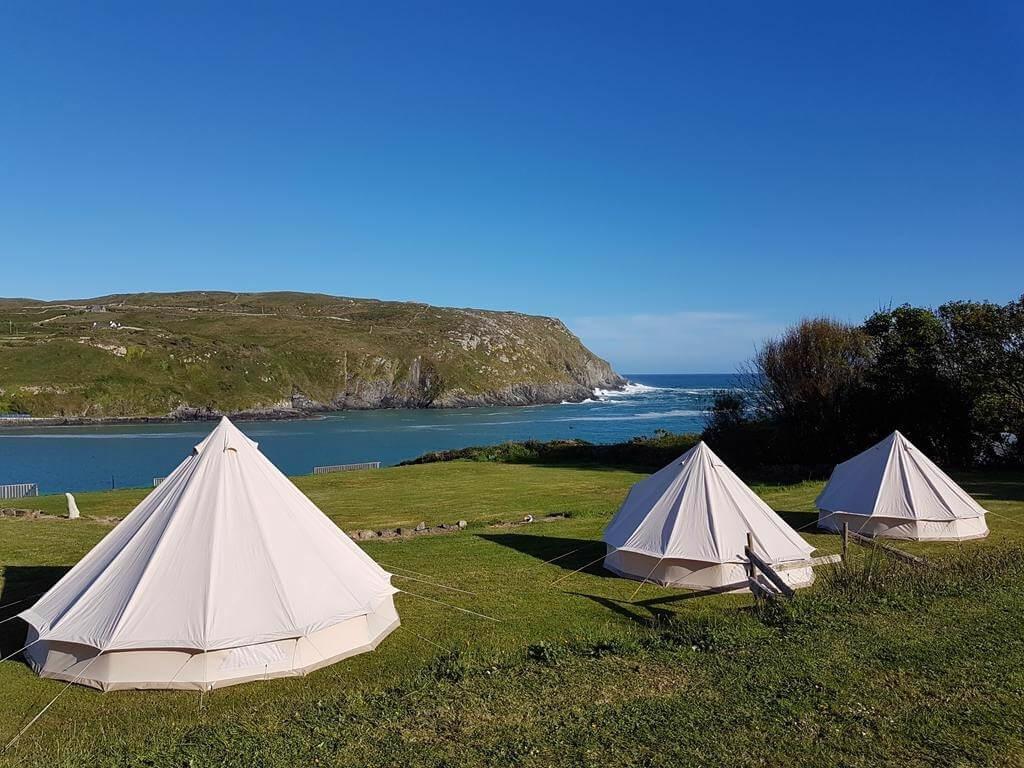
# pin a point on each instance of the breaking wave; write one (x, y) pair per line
(631, 388)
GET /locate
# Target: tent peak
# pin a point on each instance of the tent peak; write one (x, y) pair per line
(701, 449)
(900, 439)
(227, 436)
(696, 450)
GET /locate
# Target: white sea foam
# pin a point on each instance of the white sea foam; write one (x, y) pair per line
(651, 415)
(710, 390)
(631, 388)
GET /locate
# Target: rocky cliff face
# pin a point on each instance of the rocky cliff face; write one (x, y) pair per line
(521, 365)
(198, 354)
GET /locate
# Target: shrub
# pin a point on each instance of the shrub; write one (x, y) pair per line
(451, 666)
(545, 653)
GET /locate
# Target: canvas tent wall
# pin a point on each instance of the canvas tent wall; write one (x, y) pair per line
(892, 490)
(224, 573)
(687, 524)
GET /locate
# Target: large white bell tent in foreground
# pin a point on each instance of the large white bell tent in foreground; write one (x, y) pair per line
(687, 524)
(225, 573)
(893, 490)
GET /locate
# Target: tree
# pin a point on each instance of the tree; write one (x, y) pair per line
(807, 382)
(985, 356)
(909, 387)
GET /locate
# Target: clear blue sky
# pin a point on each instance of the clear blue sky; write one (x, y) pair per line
(674, 179)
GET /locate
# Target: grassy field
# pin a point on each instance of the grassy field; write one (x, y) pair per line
(876, 664)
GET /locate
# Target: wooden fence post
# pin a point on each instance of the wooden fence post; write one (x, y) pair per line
(750, 548)
(868, 541)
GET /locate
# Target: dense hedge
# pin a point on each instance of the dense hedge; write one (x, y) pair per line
(642, 452)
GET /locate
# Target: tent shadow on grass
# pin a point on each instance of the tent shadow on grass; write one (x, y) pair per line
(624, 608)
(21, 588)
(993, 488)
(573, 554)
(654, 609)
(801, 522)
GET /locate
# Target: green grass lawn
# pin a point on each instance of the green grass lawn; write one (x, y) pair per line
(877, 664)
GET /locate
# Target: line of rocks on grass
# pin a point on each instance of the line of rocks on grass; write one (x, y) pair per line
(404, 532)
(21, 513)
(422, 529)
(427, 530)
(27, 514)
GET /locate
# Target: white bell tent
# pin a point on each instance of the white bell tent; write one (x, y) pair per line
(687, 524)
(225, 573)
(893, 490)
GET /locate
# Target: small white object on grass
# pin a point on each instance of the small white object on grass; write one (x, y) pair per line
(72, 507)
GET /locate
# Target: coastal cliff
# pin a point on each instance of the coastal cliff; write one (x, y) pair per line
(197, 355)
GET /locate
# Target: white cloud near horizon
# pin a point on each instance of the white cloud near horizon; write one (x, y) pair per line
(675, 342)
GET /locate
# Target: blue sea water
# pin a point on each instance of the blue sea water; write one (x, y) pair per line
(93, 458)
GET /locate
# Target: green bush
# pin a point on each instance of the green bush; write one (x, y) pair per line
(545, 653)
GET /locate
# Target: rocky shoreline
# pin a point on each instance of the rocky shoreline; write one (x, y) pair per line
(302, 407)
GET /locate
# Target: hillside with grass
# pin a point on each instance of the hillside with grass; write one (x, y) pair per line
(192, 355)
